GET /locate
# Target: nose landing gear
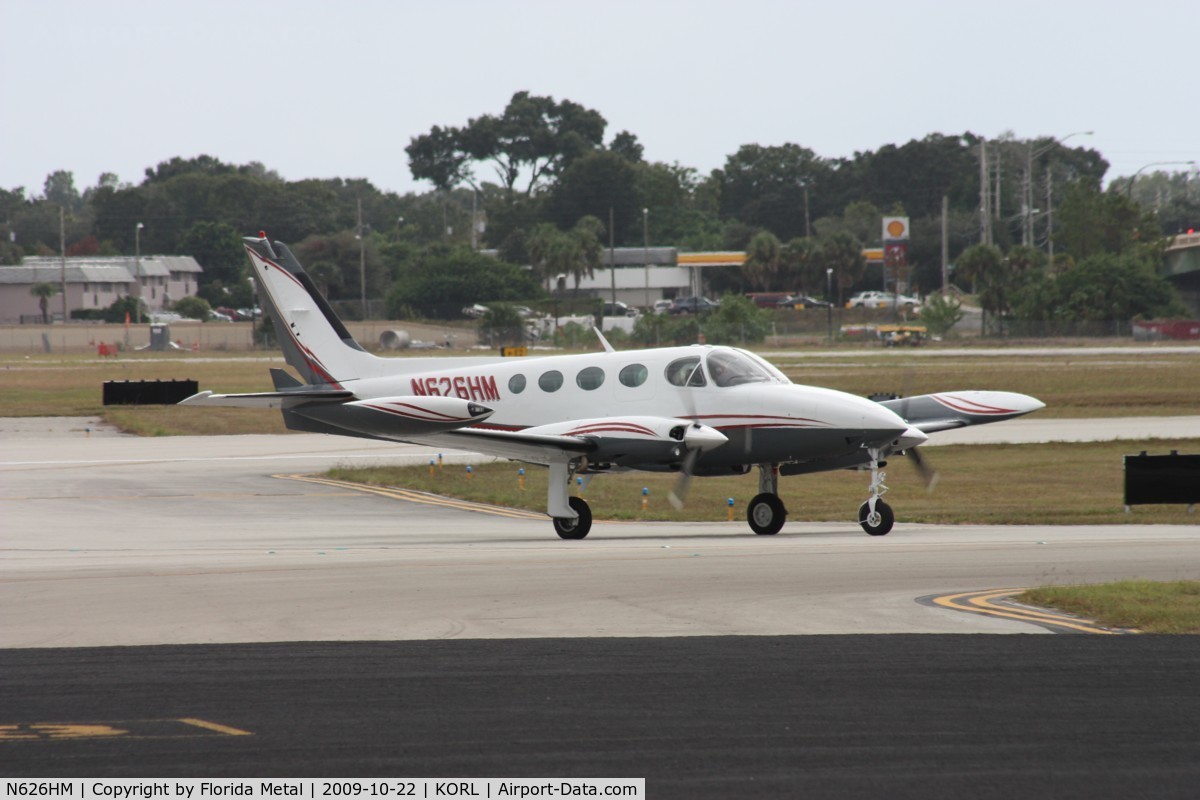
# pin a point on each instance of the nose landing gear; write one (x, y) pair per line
(876, 516)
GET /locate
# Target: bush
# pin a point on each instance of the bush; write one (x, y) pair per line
(940, 313)
(737, 321)
(501, 324)
(193, 308)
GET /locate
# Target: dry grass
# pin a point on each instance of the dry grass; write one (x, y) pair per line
(1055, 484)
(1070, 386)
(1075, 386)
(1148, 606)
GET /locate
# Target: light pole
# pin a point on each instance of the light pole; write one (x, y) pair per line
(137, 267)
(1129, 190)
(646, 251)
(1028, 237)
(829, 300)
(362, 260)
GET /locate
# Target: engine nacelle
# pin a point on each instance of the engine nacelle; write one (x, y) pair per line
(399, 417)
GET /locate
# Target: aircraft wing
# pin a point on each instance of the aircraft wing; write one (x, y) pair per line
(930, 413)
(618, 441)
(535, 448)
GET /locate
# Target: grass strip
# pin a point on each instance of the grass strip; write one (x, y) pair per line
(1148, 606)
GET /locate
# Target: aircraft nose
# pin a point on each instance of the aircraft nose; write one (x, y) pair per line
(911, 438)
(702, 437)
(884, 426)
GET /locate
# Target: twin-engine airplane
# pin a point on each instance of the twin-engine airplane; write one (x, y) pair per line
(696, 410)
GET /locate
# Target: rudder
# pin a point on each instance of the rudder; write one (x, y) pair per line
(314, 341)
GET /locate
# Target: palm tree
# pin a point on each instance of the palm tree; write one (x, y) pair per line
(43, 292)
(842, 253)
(587, 233)
(762, 260)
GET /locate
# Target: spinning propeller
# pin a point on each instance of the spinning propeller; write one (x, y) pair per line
(678, 495)
(929, 475)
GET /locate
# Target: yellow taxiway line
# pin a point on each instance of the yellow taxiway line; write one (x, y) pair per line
(986, 603)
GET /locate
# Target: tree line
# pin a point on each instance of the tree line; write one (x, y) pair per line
(543, 184)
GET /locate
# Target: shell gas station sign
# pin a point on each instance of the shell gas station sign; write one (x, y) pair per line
(895, 229)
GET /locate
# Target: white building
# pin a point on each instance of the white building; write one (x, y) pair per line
(641, 275)
(95, 282)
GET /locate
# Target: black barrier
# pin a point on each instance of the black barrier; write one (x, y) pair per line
(148, 393)
(1159, 480)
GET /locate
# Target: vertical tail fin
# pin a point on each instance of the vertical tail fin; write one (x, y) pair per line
(313, 339)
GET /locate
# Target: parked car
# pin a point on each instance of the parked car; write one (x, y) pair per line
(768, 299)
(619, 309)
(474, 311)
(804, 301)
(662, 306)
(692, 305)
(876, 299)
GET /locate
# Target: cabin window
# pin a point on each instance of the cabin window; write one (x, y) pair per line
(516, 384)
(590, 378)
(686, 372)
(551, 381)
(731, 368)
(634, 375)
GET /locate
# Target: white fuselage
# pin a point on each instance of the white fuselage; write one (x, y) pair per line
(769, 419)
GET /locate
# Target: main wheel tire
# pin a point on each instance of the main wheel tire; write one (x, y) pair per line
(879, 523)
(568, 528)
(766, 514)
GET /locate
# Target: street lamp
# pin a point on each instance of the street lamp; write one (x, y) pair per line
(1129, 190)
(829, 301)
(137, 267)
(646, 251)
(1028, 237)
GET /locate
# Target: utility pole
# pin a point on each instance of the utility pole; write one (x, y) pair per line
(62, 248)
(1050, 214)
(612, 257)
(362, 261)
(807, 230)
(996, 207)
(646, 251)
(137, 267)
(985, 211)
(945, 242)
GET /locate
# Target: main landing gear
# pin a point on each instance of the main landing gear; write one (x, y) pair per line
(766, 512)
(576, 527)
(572, 515)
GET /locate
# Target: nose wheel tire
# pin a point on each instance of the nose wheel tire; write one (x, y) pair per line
(879, 523)
(577, 528)
(766, 514)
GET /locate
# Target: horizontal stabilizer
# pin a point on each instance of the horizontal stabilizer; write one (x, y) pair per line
(268, 399)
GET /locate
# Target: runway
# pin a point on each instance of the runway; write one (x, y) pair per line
(344, 632)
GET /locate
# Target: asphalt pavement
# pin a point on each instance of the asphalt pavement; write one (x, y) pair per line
(699, 717)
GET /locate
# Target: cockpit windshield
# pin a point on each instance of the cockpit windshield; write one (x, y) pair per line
(731, 368)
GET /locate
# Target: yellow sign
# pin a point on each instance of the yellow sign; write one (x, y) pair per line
(514, 352)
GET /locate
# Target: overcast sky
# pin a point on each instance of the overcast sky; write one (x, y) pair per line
(338, 89)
